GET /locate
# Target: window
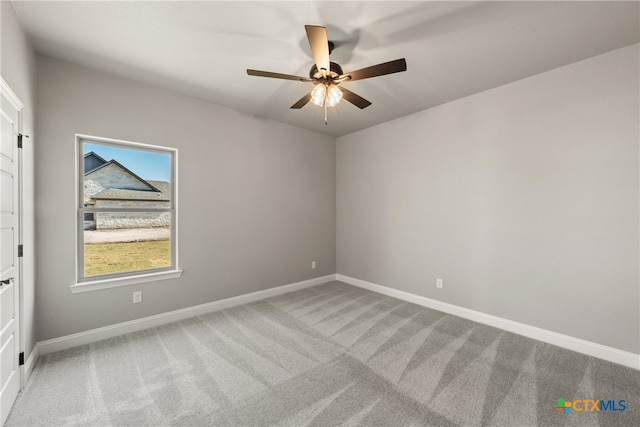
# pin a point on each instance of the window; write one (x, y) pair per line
(89, 216)
(126, 213)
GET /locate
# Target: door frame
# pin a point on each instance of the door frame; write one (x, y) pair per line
(10, 95)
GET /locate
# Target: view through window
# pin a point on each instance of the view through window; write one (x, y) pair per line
(126, 212)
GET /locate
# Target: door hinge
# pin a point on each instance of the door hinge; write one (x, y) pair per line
(21, 359)
(20, 251)
(20, 136)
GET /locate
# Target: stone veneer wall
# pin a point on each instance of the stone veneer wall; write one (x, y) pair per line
(91, 187)
(119, 220)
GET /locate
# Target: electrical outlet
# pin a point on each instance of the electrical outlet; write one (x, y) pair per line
(439, 283)
(137, 297)
(313, 264)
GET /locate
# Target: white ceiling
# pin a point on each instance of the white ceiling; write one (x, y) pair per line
(202, 49)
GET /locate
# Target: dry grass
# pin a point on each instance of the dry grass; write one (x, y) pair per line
(105, 258)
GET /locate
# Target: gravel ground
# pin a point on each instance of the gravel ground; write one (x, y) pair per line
(126, 235)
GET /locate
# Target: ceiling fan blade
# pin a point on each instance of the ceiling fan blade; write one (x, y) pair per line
(378, 70)
(277, 75)
(354, 98)
(319, 44)
(302, 101)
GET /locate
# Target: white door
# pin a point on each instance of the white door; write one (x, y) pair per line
(9, 268)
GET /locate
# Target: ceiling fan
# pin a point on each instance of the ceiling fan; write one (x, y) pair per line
(326, 75)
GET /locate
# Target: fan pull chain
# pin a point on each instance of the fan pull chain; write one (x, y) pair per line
(325, 110)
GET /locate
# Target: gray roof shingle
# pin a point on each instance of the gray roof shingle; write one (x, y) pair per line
(120, 194)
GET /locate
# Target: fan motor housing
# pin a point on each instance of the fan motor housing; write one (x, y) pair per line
(335, 71)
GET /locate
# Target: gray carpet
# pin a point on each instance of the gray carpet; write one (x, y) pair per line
(328, 355)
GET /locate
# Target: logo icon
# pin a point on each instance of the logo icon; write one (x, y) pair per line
(563, 406)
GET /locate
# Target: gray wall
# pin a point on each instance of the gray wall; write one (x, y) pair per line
(524, 199)
(18, 69)
(256, 197)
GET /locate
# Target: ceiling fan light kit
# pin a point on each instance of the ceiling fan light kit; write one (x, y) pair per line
(326, 75)
(328, 94)
(334, 95)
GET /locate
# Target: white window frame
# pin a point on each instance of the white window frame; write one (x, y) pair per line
(92, 283)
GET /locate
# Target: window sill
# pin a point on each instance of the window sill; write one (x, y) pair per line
(96, 285)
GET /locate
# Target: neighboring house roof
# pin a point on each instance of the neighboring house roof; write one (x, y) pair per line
(163, 186)
(115, 162)
(92, 161)
(119, 194)
(135, 188)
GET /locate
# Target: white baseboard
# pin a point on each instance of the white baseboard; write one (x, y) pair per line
(600, 351)
(29, 364)
(99, 334)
